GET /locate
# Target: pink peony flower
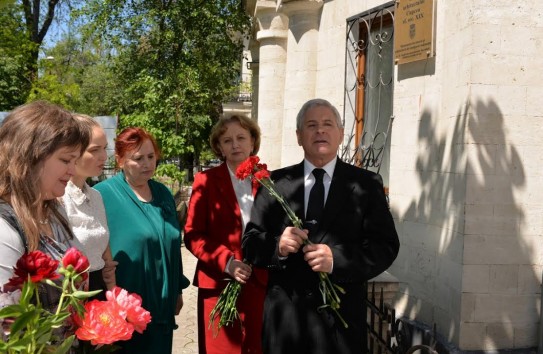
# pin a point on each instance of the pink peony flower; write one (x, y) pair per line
(104, 323)
(131, 305)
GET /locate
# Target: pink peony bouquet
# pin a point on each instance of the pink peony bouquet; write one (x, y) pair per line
(29, 327)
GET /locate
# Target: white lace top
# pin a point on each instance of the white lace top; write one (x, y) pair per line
(87, 216)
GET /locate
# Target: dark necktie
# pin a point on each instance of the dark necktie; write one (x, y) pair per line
(315, 205)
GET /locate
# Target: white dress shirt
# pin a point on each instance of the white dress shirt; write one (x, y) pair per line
(244, 195)
(309, 179)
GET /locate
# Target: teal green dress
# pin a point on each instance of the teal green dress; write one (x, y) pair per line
(145, 239)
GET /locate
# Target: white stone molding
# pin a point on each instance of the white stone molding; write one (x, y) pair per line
(272, 36)
(301, 69)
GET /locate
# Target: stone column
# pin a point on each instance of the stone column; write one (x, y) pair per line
(272, 35)
(301, 69)
(254, 68)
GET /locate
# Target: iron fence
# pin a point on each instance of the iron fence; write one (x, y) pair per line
(389, 335)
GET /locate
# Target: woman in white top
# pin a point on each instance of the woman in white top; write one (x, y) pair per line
(86, 212)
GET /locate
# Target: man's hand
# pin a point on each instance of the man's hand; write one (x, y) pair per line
(291, 240)
(239, 271)
(319, 257)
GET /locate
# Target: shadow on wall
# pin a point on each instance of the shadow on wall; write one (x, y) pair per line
(461, 246)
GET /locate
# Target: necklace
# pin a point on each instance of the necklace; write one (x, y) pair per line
(44, 212)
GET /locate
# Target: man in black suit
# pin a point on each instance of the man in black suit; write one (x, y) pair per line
(354, 239)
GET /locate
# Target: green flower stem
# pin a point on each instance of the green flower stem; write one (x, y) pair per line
(59, 307)
(30, 326)
(226, 307)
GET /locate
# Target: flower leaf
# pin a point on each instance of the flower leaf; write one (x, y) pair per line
(19, 345)
(65, 346)
(51, 283)
(78, 307)
(60, 318)
(43, 334)
(27, 292)
(81, 295)
(11, 311)
(23, 320)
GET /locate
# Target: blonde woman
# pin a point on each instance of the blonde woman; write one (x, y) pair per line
(85, 209)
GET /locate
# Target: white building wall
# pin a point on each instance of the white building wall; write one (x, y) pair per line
(503, 229)
(466, 175)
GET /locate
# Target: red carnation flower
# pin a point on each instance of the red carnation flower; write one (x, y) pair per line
(261, 174)
(247, 167)
(36, 265)
(253, 169)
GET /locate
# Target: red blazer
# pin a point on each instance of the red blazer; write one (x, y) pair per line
(213, 228)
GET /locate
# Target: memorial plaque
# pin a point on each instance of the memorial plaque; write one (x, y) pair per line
(414, 30)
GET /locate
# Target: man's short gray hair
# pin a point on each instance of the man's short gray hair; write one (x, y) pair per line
(315, 103)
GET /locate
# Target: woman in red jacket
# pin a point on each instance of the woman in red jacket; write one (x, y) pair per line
(219, 209)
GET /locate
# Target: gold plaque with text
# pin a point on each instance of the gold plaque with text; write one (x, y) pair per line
(414, 30)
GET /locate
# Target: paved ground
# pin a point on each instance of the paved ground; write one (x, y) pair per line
(185, 338)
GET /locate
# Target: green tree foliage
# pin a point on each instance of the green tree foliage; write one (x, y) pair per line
(15, 56)
(38, 17)
(178, 61)
(164, 65)
(24, 25)
(79, 76)
(49, 88)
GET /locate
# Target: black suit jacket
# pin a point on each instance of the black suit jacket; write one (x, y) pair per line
(359, 229)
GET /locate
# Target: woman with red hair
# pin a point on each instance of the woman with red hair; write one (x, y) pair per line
(145, 239)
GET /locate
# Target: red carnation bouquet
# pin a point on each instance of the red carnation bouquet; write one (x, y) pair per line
(226, 304)
(28, 327)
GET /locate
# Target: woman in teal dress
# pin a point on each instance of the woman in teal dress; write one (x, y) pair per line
(145, 239)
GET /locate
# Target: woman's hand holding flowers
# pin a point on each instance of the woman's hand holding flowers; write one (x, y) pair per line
(239, 271)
